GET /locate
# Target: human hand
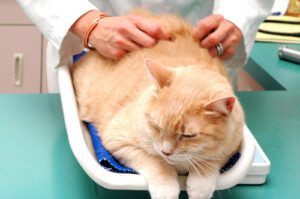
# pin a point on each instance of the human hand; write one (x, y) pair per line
(213, 30)
(113, 37)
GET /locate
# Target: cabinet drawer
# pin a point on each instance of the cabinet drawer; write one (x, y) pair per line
(20, 59)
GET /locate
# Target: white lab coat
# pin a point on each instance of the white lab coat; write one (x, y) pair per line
(55, 17)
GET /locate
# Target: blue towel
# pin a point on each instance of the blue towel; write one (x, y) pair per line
(104, 158)
(78, 56)
(107, 161)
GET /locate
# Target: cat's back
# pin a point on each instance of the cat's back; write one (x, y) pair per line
(105, 86)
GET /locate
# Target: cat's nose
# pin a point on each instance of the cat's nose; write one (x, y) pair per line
(166, 153)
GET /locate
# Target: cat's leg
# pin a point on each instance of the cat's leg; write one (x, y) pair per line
(162, 178)
(201, 186)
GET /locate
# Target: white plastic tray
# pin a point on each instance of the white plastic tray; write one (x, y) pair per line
(245, 171)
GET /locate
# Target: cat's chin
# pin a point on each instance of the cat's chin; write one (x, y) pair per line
(179, 166)
(172, 161)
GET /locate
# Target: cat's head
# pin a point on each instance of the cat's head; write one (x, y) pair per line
(189, 114)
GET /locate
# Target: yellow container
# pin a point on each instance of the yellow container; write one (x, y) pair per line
(294, 8)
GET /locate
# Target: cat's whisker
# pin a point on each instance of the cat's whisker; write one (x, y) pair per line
(203, 169)
(188, 165)
(210, 158)
(208, 163)
(185, 164)
(201, 156)
(193, 167)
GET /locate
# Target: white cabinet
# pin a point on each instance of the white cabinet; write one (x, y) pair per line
(21, 52)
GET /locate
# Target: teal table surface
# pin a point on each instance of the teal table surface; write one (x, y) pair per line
(37, 162)
(271, 72)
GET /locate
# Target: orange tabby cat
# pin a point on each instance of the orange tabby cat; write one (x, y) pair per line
(162, 111)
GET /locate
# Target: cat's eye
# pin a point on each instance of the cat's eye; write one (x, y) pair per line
(189, 135)
(156, 127)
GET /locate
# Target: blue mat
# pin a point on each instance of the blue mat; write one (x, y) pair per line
(104, 158)
(107, 161)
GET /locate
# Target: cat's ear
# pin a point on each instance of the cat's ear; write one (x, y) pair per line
(159, 74)
(221, 106)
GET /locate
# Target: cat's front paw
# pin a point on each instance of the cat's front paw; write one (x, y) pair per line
(164, 191)
(200, 187)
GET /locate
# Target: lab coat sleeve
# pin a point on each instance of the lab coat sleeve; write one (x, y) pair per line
(54, 19)
(246, 15)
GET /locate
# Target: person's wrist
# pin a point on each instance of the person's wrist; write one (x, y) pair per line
(86, 40)
(82, 25)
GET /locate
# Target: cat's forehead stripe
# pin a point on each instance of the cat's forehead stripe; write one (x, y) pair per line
(179, 69)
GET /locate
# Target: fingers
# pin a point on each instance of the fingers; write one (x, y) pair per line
(217, 36)
(206, 26)
(142, 31)
(123, 43)
(115, 36)
(110, 51)
(150, 28)
(228, 53)
(215, 29)
(229, 43)
(131, 32)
